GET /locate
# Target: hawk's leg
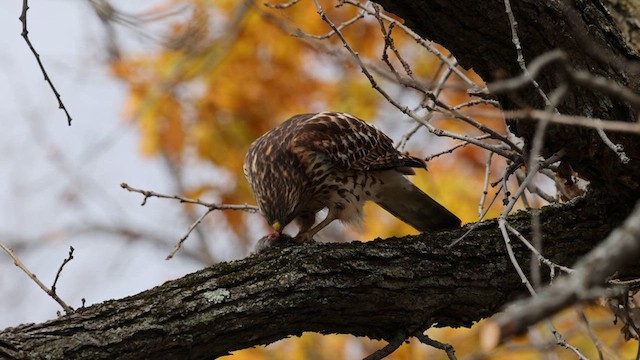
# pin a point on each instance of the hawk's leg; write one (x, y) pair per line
(306, 235)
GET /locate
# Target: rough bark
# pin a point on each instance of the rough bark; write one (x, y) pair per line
(369, 289)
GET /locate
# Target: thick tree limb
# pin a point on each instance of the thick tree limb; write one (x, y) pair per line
(373, 289)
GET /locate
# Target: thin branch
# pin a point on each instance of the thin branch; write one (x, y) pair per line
(477, 223)
(476, 102)
(185, 236)
(333, 31)
(605, 85)
(535, 251)
(536, 238)
(573, 120)
(516, 42)
(617, 148)
(124, 232)
(523, 80)
(389, 44)
(587, 328)
(175, 172)
(455, 147)
(562, 342)
(579, 77)
(392, 346)
(436, 92)
(485, 186)
(538, 138)
(64, 262)
(502, 224)
(68, 309)
(148, 194)
(428, 45)
(211, 207)
(25, 35)
(451, 352)
(534, 189)
(533, 170)
(494, 134)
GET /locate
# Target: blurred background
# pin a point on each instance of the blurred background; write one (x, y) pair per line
(166, 96)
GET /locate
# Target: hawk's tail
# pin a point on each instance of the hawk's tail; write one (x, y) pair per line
(408, 203)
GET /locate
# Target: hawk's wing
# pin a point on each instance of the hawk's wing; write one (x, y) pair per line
(349, 143)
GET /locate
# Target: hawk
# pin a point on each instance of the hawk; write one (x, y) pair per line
(335, 161)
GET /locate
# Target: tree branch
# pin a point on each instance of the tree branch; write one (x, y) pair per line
(621, 248)
(25, 35)
(376, 289)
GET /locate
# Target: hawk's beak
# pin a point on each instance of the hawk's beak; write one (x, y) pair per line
(276, 226)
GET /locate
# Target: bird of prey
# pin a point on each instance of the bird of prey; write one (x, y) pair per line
(335, 161)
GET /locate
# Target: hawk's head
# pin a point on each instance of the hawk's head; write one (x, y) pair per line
(276, 182)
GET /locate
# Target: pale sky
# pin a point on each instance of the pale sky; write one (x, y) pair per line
(55, 177)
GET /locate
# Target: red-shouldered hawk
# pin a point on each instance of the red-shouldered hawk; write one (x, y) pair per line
(335, 161)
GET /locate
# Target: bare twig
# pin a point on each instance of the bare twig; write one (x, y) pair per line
(485, 186)
(185, 236)
(522, 80)
(573, 120)
(451, 352)
(560, 340)
(477, 223)
(68, 309)
(175, 171)
(422, 42)
(605, 85)
(475, 102)
(534, 189)
(211, 207)
(148, 194)
(337, 29)
(516, 42)
(532, 172)
(436, 92)
(494, 134)
(64, 262)
(536, 253)
(536, 239)
(25, 35)
(455, 147)
(579, 77)
(587, 328)
(502, 224)
(538, 138)
(392, 346)
(617, 148)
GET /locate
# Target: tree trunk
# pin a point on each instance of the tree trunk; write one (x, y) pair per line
(478, 33)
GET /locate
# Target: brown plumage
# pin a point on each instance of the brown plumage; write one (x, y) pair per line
(335, 161)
